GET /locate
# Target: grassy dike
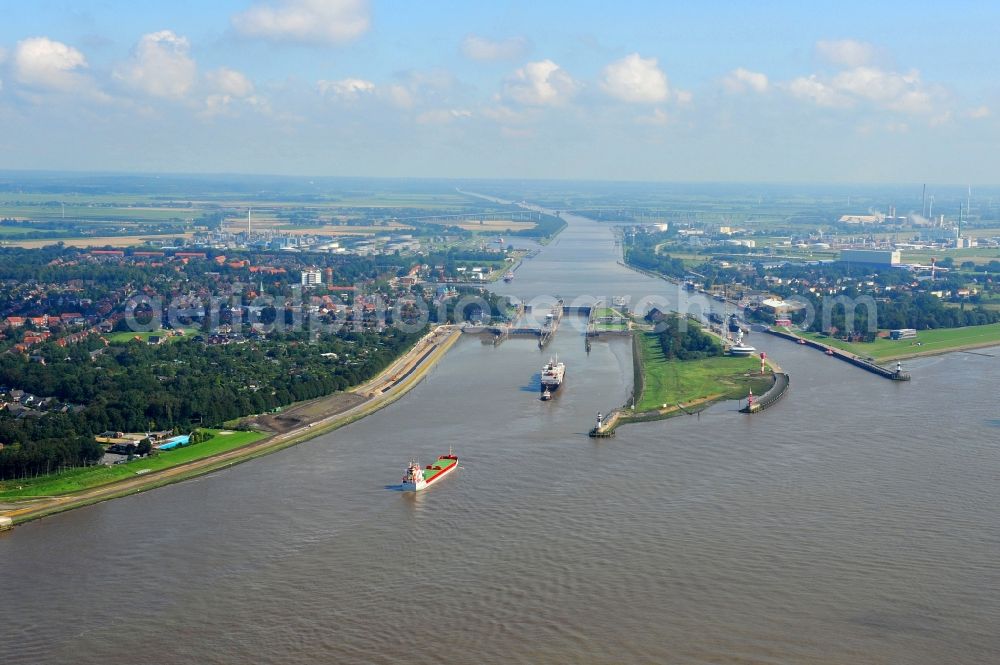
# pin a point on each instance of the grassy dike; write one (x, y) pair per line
(228, 458)
(926, 343)
(84, 478)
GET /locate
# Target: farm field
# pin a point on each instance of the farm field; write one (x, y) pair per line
(92, 241)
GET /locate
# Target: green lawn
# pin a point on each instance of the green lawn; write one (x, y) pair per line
(941, 339)
(89, 477)
(620, 322)
(128, 335)
(672, 382)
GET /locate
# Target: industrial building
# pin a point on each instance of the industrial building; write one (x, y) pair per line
(875, 257)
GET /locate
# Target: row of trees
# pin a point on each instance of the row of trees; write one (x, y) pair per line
(35, 446)
(921, 311)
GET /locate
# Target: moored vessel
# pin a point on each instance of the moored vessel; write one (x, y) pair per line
(739, 348)
(417, 478)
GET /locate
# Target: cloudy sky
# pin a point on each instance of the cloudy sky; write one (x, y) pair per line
(713, 91)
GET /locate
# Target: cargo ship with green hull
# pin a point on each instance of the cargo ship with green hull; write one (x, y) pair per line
(417, 478)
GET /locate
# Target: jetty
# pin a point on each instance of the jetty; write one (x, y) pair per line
(769, 398)
(605, 426)
(894, 374)
(551, 325)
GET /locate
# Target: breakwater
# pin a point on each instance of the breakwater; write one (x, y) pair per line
(769, 398)
(896, 374)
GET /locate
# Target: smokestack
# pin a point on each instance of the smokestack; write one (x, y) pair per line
(923, 201)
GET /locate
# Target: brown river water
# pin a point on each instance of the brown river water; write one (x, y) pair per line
(855, 522)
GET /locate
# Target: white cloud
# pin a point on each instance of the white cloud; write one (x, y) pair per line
(742, 80)
(160, 66)
(860, 83)
(881, 89)
(227, 81)
(481, 48)
(40, 62)
(896, 91)
(504, 114)
(635, 79)
(307, 21)
(400, 96)
(349, 89)
(978, 113)
(542, 83)
(811, 88)
(443, 116)
(228, 89)
(845, 52)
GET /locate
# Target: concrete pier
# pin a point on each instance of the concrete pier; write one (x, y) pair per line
(896, 374)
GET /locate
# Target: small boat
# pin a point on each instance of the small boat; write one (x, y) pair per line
(509, 277)
(802, 341)
(546, 395)
(416, 479)
(829, 352)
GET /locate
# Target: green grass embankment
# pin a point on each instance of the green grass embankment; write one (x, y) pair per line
(927, 342)
(75, 480)
(673, 382)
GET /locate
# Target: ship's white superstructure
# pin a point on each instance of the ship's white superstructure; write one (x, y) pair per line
(552, 377)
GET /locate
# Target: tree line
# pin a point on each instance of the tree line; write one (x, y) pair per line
(185, 384)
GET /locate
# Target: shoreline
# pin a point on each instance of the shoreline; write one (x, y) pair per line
(958, 348)
(391, 384)
(899, 356)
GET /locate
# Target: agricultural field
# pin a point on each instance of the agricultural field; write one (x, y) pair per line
(324, 229)
(94, 241)
(486, 226)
